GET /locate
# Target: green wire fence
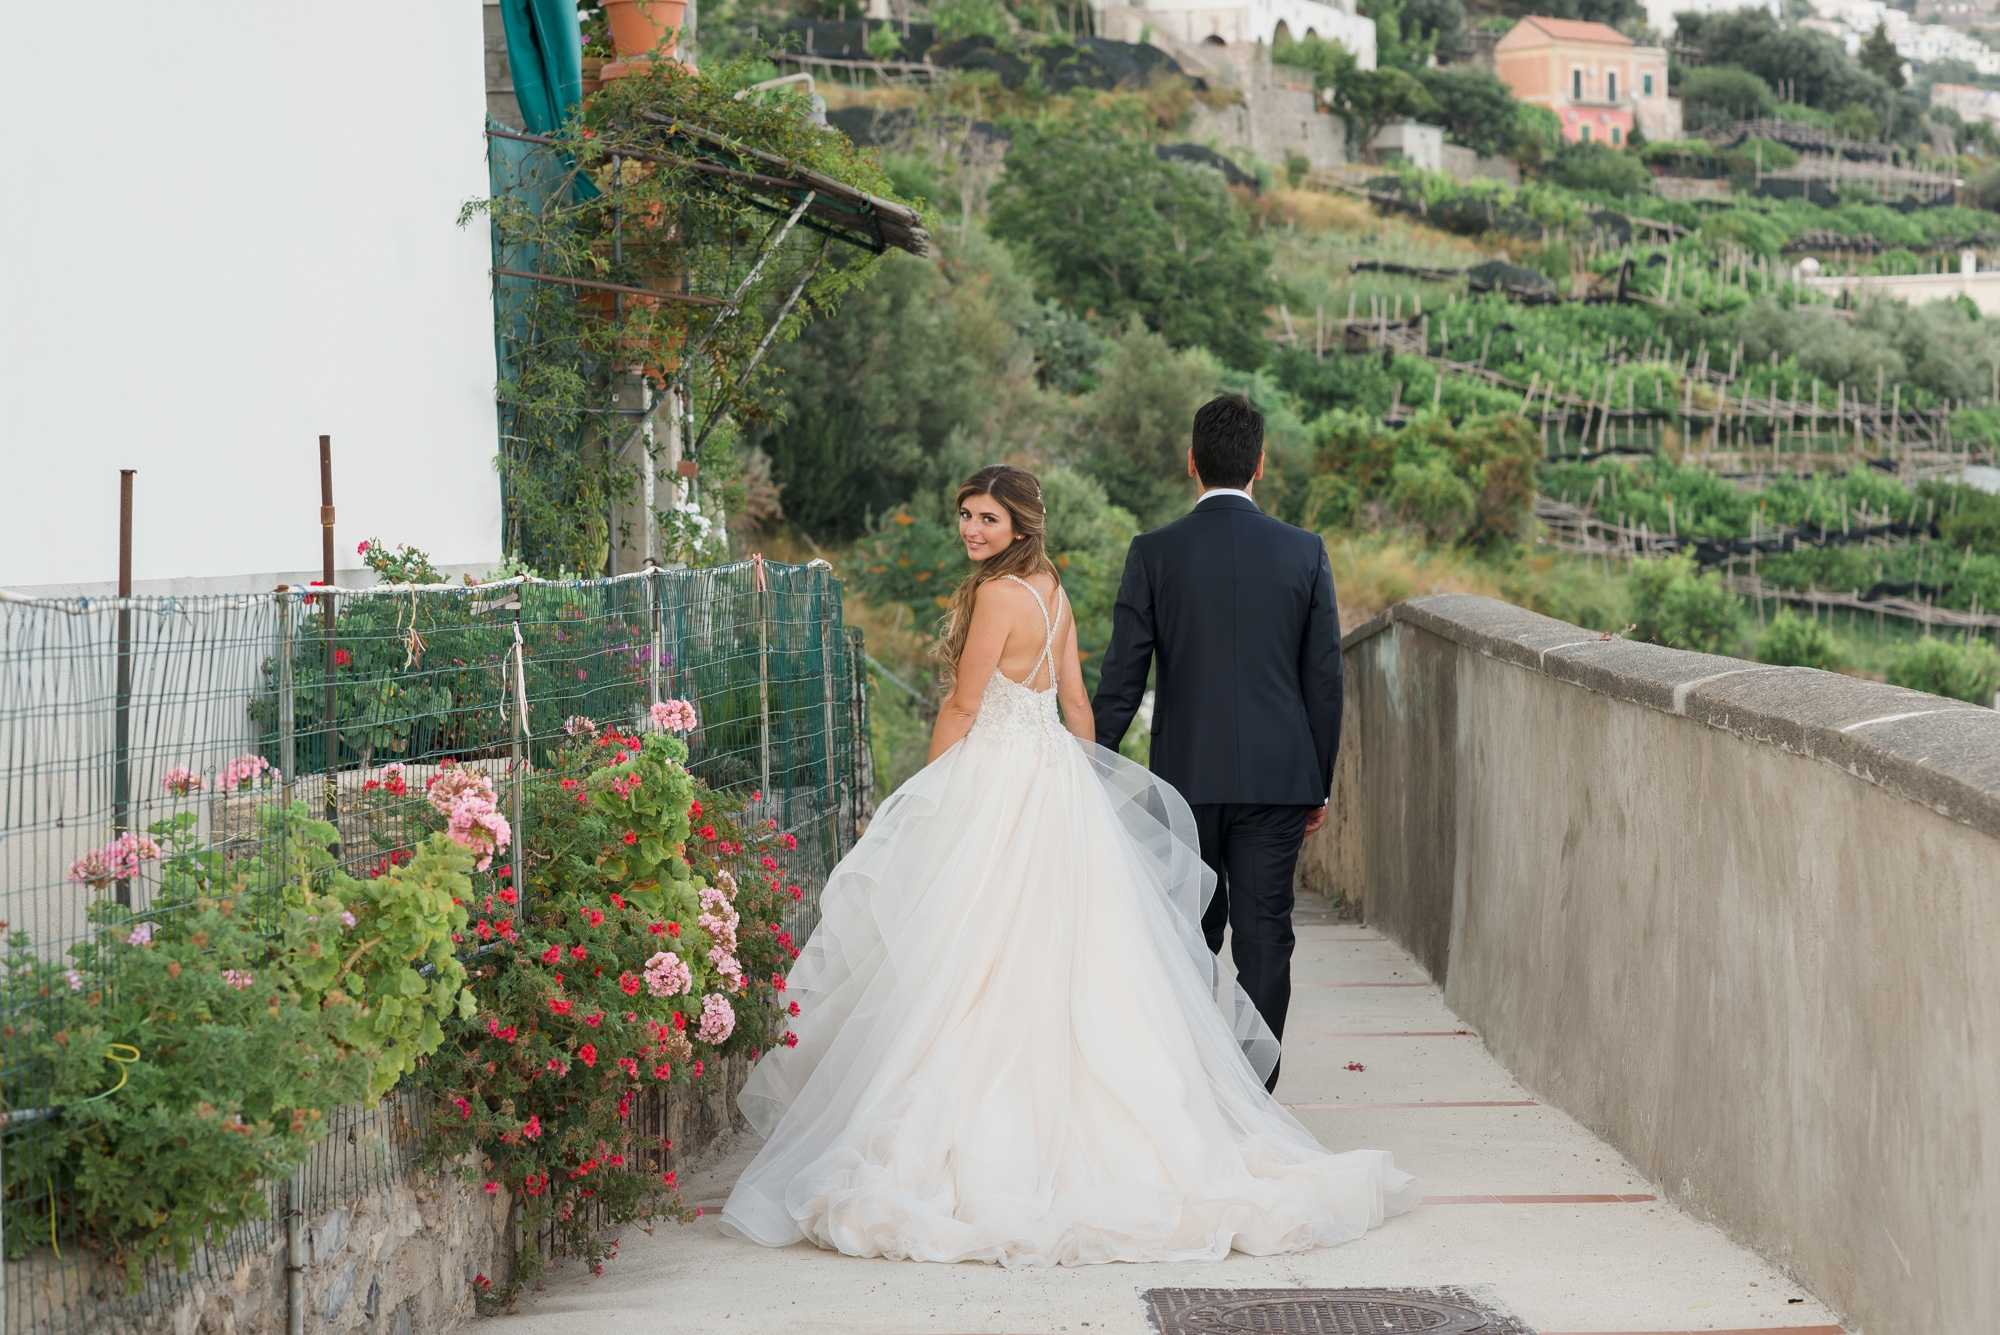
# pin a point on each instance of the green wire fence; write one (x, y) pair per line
(185, 715)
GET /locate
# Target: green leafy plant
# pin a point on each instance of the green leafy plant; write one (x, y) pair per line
(1963, 670)
(648, 947)
(190, 1063)
(1795, 641)
(1672, 604)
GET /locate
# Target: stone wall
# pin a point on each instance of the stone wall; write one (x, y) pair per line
(403, 1257)
(1741, 921)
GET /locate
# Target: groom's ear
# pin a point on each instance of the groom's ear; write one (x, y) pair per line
(1191, 469)
(1257, 476)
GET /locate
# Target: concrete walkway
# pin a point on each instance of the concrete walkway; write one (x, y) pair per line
(1521, 1202)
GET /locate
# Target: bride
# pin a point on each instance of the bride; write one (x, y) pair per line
(1014, 1045)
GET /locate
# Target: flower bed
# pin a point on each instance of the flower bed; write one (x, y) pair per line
(194, 1047)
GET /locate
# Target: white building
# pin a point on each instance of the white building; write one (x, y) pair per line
(1854, 21)
(234, 228)
(1971, 104)
(1193, 23)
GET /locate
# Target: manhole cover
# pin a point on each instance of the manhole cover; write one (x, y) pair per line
(1326, 1312)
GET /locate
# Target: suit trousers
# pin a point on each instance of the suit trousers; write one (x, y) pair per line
(1253, 851)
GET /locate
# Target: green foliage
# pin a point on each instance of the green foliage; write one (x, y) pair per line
(1880, 57)
(1475, 108)
(651, 904)
(1674, 605)
(883, 43)
(1368, 99)
(1110, 229)
(191, 1065)
(566, 353)
(1813, 63)
(968, 18)
(1473, 483)
(876, 392)
(1963, 670)
(1130, 434)
(1403, 41)
(1719, 94)
(1595, 166)
(1967, 518)
(1857, 121)
(1795, 641)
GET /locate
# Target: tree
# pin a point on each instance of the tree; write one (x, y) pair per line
(1107, 227)
(1880, 57)
(898, 389)
(1475, 108)
(1369, 99)
(1601, 167)
(1130, 434)
(1720, 94)
(1813, 64)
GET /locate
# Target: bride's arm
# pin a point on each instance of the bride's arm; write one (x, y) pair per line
(1069, 690)
(976, 666)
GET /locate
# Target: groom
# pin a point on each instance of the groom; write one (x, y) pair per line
(1238, 609)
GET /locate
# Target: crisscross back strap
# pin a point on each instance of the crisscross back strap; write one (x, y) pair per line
(1049, 628)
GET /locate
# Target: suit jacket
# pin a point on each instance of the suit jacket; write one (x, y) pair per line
(1239, 609)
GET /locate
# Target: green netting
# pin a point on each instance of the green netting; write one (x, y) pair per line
(121, 714)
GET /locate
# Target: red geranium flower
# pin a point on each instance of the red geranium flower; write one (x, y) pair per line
(561, 1005)
(791, 1039)
(630, 983)
(341, 658)
(630, 838)
(587, 1054)
(595, 917)
(579, 952)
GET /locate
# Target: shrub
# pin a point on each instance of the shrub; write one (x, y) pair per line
(1963, 670)
(190, 1066)
(1595, 166)
(1108, 226)
(649, 947)
(1672, 604)
(1795, 641)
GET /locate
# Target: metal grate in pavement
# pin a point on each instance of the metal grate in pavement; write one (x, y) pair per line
(1442, 1311)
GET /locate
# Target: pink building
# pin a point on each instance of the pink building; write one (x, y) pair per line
(1593, 77)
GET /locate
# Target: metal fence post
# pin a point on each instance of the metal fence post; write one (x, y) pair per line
(331, 760)
(287, 706)
(827, 660)
(653, 589)
(121, 762)
(295, 1264)
(763, 596)
(520, 762)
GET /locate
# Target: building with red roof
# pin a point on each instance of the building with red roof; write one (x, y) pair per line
(1598, 81)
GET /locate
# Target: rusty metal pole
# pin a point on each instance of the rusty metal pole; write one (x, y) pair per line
(332, 756)
(121, 773)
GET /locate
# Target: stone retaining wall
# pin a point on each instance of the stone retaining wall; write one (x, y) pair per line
(1743, 922)
(403, 1257)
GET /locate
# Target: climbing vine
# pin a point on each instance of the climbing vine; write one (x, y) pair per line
(655, 187)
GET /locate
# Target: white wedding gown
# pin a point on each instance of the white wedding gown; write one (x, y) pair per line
(1015, 1047)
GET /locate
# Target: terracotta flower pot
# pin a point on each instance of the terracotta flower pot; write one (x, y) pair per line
(638, 26)
(593, 74)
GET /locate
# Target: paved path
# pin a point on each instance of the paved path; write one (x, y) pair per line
(1522, 1201)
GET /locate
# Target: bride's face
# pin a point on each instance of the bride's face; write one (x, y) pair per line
(985, 527)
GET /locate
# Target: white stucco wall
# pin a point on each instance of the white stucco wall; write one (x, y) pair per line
(231, 227)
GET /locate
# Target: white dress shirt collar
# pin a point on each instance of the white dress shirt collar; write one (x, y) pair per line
(1213, 492)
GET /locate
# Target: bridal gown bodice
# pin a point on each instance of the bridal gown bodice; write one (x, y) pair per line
(1013, 1044)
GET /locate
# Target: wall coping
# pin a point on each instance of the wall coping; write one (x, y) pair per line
(1939, 753)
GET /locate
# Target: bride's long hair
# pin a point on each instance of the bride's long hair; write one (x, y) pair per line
(1020, 493)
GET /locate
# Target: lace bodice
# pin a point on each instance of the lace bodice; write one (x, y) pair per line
(1013, 711)
(1010, 712)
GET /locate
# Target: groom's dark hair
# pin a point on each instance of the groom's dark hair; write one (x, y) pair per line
(1228, 441)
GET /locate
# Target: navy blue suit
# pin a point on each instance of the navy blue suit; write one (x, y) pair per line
(1238, 610)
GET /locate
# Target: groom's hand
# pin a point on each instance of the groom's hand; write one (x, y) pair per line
(1317, 819)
